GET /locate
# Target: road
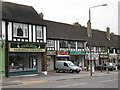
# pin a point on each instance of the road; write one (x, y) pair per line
(105, 81)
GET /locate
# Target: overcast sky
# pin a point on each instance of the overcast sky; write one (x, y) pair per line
(70, 11)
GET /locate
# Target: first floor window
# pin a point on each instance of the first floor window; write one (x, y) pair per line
(72, 44)
(39, 32)
(20, 30)
(80, 45)
(50, 43)
(63, 44)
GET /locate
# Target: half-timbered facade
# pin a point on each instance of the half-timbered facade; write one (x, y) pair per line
(70, 42)
(25, 40)
(65, 42)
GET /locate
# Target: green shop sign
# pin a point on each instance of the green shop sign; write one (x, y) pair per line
(77, 53)
(26, 45)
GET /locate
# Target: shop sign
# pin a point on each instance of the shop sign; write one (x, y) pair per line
(63, 53)
(118, 56)
(26, 50)
(28, 45)
(77, 53)
(113, 56)
(103, 56)
(51, 52)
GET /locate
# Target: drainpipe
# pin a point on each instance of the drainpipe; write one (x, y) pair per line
(44, 62)
(6, 49)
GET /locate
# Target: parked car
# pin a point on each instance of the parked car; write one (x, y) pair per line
(66, 66)
(100, 67)
(111, 66)
(104, 66)
(118, 65)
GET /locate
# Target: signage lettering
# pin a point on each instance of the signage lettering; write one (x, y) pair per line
(28, 46)
(63, 53)
(26, 50)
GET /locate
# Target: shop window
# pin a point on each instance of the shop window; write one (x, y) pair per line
(39, 32)
(20, 30)
(22, 62)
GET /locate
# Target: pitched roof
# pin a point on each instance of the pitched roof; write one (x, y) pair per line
(20, 13)
(57, 30)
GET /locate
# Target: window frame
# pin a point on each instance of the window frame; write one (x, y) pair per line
(63, 44)
(41, 34)
(50, 43)
(24, 28)
(82, 45)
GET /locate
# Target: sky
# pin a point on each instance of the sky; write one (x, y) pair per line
(70, 11)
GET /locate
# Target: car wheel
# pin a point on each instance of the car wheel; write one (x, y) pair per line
(57, 70)
(77, 71)
(71, 71)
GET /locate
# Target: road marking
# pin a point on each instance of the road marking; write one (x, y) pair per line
(33, 82)
(71, 85)
(63, 86)
(78, 84)
(108, 80)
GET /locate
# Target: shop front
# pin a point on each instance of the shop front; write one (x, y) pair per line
(103, 58)
(63, 55)
(51, 57)
(78, 57)
(24, 58)
(113, 57)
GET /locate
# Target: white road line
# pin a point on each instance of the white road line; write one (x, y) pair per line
(108, 80)
(78, 84)
(71, 85)
(63, 86)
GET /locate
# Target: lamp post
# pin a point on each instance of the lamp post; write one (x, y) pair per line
(89, 31)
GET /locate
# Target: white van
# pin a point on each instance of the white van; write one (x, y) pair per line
(66, 66)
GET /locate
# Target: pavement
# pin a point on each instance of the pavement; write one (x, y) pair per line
(51, 76)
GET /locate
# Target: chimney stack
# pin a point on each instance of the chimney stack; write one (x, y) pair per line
(76, 24)
(108, 33)
(41, 15)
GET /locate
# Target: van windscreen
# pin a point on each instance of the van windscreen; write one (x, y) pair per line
(71, 64)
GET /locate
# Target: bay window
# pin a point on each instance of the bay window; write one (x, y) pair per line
(20, 30)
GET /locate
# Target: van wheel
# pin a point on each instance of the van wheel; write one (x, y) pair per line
(77, 71)
(71, 71)
(57, 70)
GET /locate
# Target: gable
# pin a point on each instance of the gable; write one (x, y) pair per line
(20, 13)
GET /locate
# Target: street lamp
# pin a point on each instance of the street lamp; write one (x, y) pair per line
(89, 32)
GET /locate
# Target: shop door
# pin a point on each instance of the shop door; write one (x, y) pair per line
(33, 62)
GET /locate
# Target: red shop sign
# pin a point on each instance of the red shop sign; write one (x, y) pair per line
(62, 53)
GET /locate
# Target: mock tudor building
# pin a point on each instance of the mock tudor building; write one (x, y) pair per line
(65, 42)
(25, 40)
(71, 42)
